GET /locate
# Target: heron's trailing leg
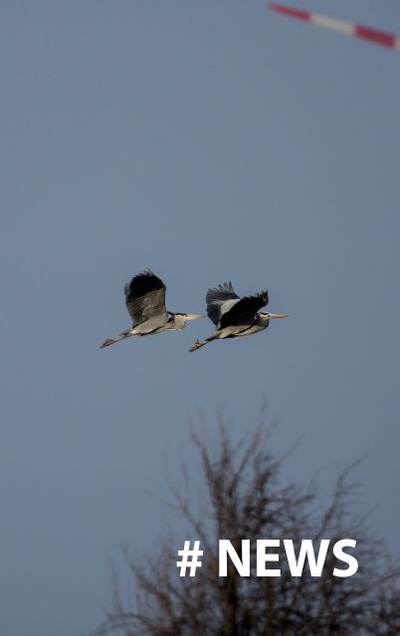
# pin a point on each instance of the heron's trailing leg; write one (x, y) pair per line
(107, 343)
(111, 341)
(199, 344)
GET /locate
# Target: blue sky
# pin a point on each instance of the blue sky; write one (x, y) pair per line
(209, 141)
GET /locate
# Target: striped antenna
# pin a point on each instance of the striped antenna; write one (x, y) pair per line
(340, 26)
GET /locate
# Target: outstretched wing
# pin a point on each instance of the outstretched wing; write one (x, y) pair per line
(244, 310)
(219, 300)
(145, 297)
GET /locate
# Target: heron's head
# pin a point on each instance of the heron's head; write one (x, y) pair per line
(182, 319)
(265, 316)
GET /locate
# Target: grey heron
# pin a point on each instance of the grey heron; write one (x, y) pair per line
(145, 302)
(234, 316)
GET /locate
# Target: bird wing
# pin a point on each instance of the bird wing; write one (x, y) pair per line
(219, 300)
(145, 296)
(244, 310)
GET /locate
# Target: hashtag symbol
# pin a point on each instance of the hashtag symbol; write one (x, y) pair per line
(189, 558)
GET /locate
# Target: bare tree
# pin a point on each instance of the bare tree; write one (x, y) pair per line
(244, 499)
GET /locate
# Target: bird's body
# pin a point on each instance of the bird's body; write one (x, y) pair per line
(233, 316)
(145, 302)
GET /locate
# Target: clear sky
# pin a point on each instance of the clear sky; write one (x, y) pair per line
(210, 141)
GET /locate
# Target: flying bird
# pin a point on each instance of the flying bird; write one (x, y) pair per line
(234, 316)
(145, 302)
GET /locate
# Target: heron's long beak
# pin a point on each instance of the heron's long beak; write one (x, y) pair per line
(194, 316)
(277, 315)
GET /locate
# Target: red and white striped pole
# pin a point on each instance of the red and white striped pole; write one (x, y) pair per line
(340, 26)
